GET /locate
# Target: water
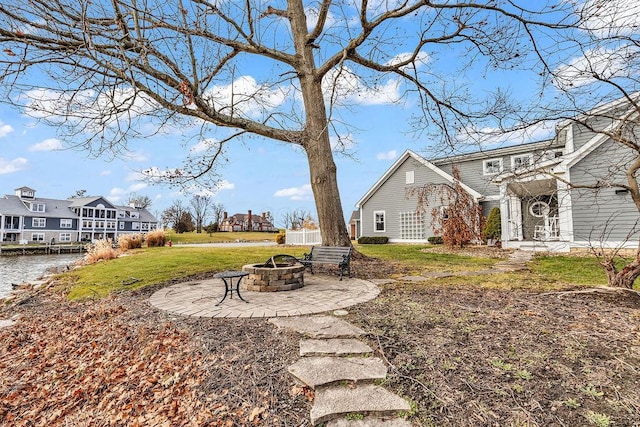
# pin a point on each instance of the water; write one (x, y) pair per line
(19, 269)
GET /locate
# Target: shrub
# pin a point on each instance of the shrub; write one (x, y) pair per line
(281, 238)
(100, 250)
(156, 238)
(492, 229)
(130, 241)
(435, 240)
(373, 240)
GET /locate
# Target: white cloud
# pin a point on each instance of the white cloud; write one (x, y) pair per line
(605, 63)
(225, 185)
(116, 194)
(5, 129)
(51, 144)
(489, 136)
(345, 87)
(203, 146)
(246, 97)
(312, 18)
(296, 193)
(342, 143)
(11, 166)
(611, 17)
(389, 155)
(422, 58)
(135, 156)
(105, 173)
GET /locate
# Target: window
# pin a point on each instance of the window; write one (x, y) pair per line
(121, 225)
(39, 222)
(378, 221)
(444, 210)
(65, 237)
(37, 237)
(551, 154)
(111, 225)
(135, 226)
(37, 207)
(521, 161)
(87, 223)
(539, 209)
(99, 224)
(492, 166)
(66, 223)
(411, 226)
(410, 177)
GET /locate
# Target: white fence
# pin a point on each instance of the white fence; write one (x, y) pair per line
(303, 237)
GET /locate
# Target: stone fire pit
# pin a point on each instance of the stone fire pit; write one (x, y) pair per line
(278, 273)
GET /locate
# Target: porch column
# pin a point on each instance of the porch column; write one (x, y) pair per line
(565, 217)
(504, 214)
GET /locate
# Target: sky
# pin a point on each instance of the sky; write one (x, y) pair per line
(258, 175)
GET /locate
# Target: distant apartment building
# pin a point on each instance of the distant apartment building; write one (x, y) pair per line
(26, 218)
(246, 222)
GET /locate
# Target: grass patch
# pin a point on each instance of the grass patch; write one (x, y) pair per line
(581, 270)
(421, 260)
(219, 237)
(146, 267)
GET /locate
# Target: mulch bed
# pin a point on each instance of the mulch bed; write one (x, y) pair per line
(463, 356)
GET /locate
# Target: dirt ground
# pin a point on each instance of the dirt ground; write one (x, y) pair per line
(464, 357)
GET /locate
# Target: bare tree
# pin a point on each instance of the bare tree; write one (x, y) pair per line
(200, 204)
(111, 65)
(139, 201)
(217, 212)
(173, 214)
(295, 219)
(78, 194)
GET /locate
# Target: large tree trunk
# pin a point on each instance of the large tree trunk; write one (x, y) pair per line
(322, 168)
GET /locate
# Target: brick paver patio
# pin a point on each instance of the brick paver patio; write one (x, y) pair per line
(319, 294)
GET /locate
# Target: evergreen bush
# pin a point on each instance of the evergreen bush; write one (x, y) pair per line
(493, 226)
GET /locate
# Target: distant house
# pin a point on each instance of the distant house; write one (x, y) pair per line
(539, 187)
(246, 222)
(27, 218)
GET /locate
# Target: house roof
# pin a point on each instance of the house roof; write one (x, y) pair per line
(406, 155)
(241, 217)
(497, 152)
(13, 205)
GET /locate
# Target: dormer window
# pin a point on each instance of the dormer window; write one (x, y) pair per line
(37, 207)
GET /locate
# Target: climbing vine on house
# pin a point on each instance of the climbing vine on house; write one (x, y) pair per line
(456, 215)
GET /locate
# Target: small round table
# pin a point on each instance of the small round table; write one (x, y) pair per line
(228, 285)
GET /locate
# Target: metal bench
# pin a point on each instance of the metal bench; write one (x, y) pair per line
(340, 256)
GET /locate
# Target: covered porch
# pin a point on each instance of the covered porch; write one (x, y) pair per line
(534, 213)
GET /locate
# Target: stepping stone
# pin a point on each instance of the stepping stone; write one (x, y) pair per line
(333, 347)
(5, 323)
(370, 422)
(336, 402)
(318, 371)
(319, 326)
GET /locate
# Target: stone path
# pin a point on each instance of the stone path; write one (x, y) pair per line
(343, 373)
(319, 294)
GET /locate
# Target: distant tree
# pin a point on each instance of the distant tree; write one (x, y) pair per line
(296, 219)
(211, 228)
(200, 205)
(217, 212)
(78, 194)
(185, 223)
(139, 201)
(172, 215)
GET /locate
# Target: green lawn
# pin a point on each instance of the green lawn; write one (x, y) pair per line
(150, 266)
(156, 265)
(220, 237)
